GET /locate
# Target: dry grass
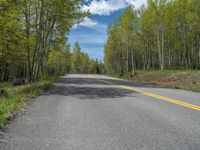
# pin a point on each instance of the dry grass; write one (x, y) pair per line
(188, 80)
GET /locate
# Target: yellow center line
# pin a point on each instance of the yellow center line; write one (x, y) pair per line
(160, 97)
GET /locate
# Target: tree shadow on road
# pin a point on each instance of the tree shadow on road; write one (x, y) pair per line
(89, 88)
(88, 92)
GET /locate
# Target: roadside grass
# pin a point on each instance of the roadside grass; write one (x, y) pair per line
(16, 97)
(179, 79)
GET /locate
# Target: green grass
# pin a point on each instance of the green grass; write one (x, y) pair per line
(17, 96)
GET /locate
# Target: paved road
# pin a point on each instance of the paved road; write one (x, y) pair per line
(81, 112)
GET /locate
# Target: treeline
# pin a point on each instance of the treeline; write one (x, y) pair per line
(72, 61)
(33, 39)
(80, 62)
(163, 35)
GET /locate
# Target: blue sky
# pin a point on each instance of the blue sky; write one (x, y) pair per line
(91, 33)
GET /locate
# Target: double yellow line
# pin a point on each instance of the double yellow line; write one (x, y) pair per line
(160, 97)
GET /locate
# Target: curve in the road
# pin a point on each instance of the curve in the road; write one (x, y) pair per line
(160, 97)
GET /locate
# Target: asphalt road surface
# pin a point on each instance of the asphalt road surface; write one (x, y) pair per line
(93, 112)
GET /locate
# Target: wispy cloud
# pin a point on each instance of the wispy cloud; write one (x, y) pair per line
(87, 22)
(91, 40)
(106, 7)
(90, 23)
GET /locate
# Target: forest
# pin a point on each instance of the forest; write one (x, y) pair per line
(33, 40)
(164, 35)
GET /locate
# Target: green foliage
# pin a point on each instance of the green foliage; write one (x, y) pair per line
(163, 35)
(76, 58)
(17, 96)
(80, 62)
(32, 33)
(11, 41)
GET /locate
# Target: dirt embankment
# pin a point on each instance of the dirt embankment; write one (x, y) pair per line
(189, 80)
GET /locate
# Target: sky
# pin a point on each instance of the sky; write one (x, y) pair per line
(92, 32)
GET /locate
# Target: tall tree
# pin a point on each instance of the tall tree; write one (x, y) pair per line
(163, 35)
(76, 58)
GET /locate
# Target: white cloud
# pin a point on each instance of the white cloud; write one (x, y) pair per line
(105, 7)
(87, 22)
(136, 3)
